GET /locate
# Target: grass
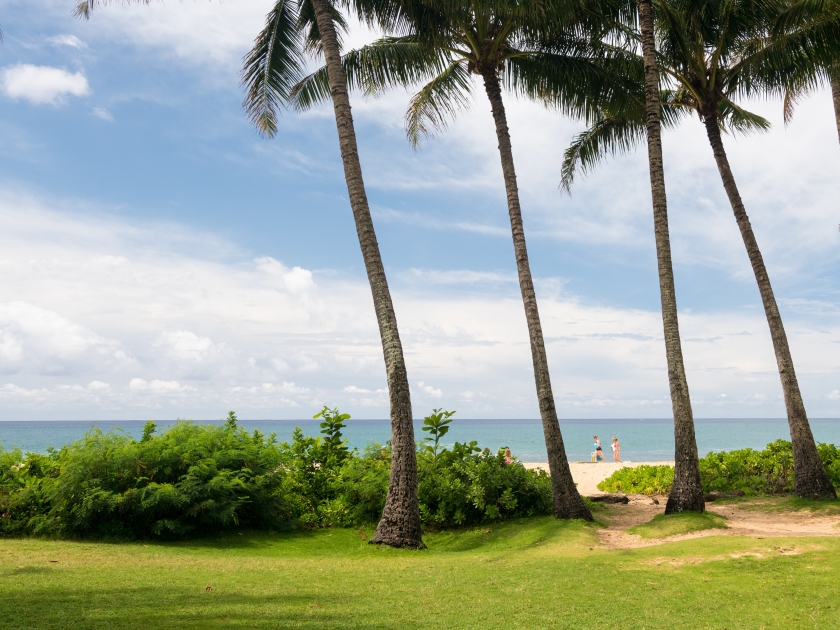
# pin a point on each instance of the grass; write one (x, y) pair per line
(532, 573)
(675, 524)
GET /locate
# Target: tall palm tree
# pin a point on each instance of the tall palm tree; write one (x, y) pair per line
(274, 65)
(713, 52)
(687, 492)
(529, 47)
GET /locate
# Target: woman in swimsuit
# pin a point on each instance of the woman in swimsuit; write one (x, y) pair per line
(599, 452)
(616, 447)
(508, 456)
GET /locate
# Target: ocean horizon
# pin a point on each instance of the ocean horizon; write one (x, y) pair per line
(642, 439)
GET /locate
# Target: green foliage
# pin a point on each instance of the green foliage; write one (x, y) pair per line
(649, 480)
(201, 479)
(466, 486)
(190, 480)
(437, 424)
(769, 471)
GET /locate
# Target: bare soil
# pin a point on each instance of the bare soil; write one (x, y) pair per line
(743, 519)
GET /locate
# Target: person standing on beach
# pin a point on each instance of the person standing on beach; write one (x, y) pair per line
(508, 456)
(599, 452)
(616, 447)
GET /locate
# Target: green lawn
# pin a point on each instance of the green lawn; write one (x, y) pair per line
(535, 573)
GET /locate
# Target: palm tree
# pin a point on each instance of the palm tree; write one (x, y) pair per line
(536, 49)
(817, 20)
(714, 52)
(687, 492)
(294, 27)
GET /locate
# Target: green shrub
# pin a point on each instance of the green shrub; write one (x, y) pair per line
(190, 479)
(194, 480)
(649, 480)
(769, 471)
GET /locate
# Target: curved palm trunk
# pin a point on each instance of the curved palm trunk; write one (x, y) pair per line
(567, 501)
(810, 479)
(400, 523)
(687, 491)
(835, 92)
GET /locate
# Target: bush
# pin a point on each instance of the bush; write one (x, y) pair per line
(769, 471)
(191, 479)
(195, 480)
(649, 480)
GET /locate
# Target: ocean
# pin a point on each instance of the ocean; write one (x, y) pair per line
(641, 439)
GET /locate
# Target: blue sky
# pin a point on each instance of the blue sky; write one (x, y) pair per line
(160, 259)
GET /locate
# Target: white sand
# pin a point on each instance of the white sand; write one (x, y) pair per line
(587, 476)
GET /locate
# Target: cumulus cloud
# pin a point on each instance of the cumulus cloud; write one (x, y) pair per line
(157, 386)
(42, 84)
(108, 322)
(429, 390)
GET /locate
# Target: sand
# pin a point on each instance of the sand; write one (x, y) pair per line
(587, 476)
(742, 519)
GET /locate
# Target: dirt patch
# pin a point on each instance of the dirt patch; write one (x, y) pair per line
(740, 519)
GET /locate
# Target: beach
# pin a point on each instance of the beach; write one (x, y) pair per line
(588, 475)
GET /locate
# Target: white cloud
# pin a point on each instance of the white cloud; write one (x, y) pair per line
(429, 390)
(184, 345)
(104, 114)
(177, 334)
(42, 84)
(157, 386)
(67, 40)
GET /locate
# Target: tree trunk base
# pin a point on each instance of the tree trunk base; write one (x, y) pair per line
(402, 533)
(396, 541)
(685, 499)
(816, 486)
(569, 507)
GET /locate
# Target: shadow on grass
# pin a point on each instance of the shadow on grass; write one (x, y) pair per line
(513, 534)
(166, 606)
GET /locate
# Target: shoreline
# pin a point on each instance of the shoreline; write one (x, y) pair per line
(588, 475)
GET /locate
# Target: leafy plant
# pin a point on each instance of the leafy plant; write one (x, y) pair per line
(769, 471)
(649, 480)
(201, 479)
(437, 424)
(334, 447)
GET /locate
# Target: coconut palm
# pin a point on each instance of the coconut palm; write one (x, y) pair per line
(272, 67)
(713, 52)
(531, 48)
(687, 492)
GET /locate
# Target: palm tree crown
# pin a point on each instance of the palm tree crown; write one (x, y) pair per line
(713, 53)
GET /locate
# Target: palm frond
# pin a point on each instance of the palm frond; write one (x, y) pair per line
(607, 136)
(437, 102)
(386, 63)
(84, 7)
(272, 67)
(737, 119)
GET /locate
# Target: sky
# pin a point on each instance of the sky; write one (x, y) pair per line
(159, 259)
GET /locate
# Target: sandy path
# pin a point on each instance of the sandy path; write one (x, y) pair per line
(587, 476)
(741, 521)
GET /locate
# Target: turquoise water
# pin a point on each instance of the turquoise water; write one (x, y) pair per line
(641, 440)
